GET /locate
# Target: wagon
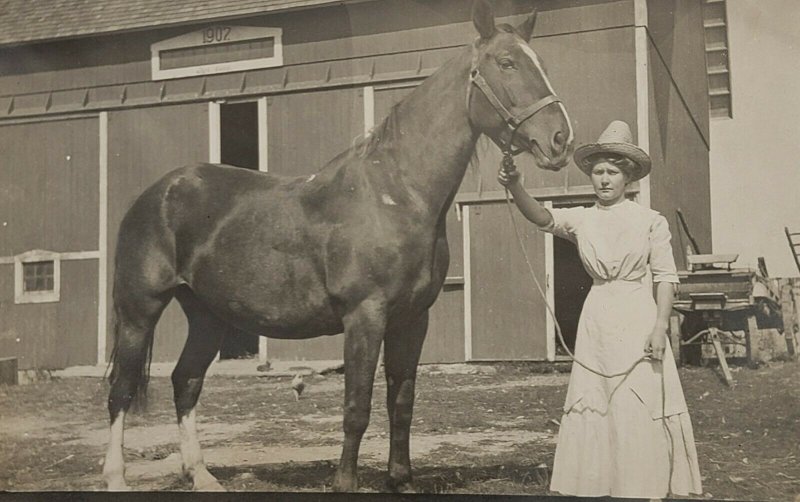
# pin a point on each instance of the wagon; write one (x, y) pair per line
(717, 305)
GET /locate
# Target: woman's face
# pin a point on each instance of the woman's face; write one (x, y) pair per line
(609, 182)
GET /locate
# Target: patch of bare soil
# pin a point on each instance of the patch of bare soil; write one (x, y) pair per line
(487, 432)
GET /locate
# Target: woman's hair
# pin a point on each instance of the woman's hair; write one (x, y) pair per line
(626, 165)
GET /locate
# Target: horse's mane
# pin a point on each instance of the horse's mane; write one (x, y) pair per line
(368, 143)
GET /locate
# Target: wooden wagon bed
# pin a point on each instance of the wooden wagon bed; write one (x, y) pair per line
(722, 300)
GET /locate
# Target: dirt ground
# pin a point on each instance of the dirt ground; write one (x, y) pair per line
(472, 433)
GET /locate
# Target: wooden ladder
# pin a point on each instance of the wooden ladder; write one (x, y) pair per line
(794, 245)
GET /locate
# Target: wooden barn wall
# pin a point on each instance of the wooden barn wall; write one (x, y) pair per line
(508, 318)
(306, 130)
(49, 186)
(680, 175)
(355, 32)
(143, 145)
(52, 335)
(676, 31)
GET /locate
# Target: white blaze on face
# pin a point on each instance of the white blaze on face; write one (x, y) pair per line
(538, 64)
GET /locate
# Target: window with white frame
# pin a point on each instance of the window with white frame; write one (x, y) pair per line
(217, 49)
(37, 277)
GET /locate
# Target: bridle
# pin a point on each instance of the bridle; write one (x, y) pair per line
(512, 120)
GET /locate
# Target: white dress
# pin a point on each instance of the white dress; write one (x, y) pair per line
(615, 434)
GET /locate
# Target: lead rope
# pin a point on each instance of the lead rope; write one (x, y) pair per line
(509, 166)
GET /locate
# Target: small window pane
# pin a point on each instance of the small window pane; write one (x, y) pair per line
(38, 276)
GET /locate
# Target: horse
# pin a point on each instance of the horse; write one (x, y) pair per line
(359, 248)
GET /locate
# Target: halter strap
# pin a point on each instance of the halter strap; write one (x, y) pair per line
(512, 120)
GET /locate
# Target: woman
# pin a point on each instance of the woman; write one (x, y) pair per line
(620, 436)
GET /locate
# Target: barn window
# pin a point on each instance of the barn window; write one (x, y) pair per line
(217, 49)
(37, 277)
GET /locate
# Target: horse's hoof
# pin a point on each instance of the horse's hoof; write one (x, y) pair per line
(401, 486)
(211, 486)
(118, 486)
(204, 481)
(340, 484)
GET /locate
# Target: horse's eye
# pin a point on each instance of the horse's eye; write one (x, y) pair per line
(507, 64)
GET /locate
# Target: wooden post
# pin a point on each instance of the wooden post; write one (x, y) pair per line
(8, 371)
(723, 363)
(750, 335)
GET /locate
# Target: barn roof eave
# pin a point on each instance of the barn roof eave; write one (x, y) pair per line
(24, 25)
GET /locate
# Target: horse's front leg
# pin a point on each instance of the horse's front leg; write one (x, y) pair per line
(363, 332)
(401, 351)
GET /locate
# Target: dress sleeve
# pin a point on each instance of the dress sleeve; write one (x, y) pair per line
(565, 222)
(662, 263)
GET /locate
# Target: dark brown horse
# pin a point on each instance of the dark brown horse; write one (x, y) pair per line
(359, 248)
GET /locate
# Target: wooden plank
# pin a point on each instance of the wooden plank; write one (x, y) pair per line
(333, 118)
(750, 335)
(723, 362)
(679, 153)
(445, 339)
(676, 29)
(49, 171)
(708, 259)
(9, 371)
(76, 323)
(508, 314)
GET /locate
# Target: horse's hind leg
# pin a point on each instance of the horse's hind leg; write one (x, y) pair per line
(206, 333)
(135, 320)
(401, 351)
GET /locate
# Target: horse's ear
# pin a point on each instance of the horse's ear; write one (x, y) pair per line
(483, 18)
(526, 28)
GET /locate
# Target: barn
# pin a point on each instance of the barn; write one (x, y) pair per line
(100, 99)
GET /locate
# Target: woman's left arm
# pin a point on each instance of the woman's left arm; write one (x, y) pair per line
(665, 275)
(657, 341)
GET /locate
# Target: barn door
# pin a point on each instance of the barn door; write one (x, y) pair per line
(507, 313)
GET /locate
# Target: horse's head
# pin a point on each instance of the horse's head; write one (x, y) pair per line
(510, 98)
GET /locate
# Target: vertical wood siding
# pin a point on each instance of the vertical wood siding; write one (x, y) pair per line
(52, 335)
(677, 34)
(308, 129)
(49, 186)
(508, 315)
(143, 145)
(680, 175)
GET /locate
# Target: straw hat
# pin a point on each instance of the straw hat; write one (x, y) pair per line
(617, 138)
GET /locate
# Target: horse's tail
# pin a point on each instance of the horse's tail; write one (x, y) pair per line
(134, 366)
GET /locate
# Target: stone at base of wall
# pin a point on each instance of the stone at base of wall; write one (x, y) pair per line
(34, 376)
(8, 371)
(769, 345)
